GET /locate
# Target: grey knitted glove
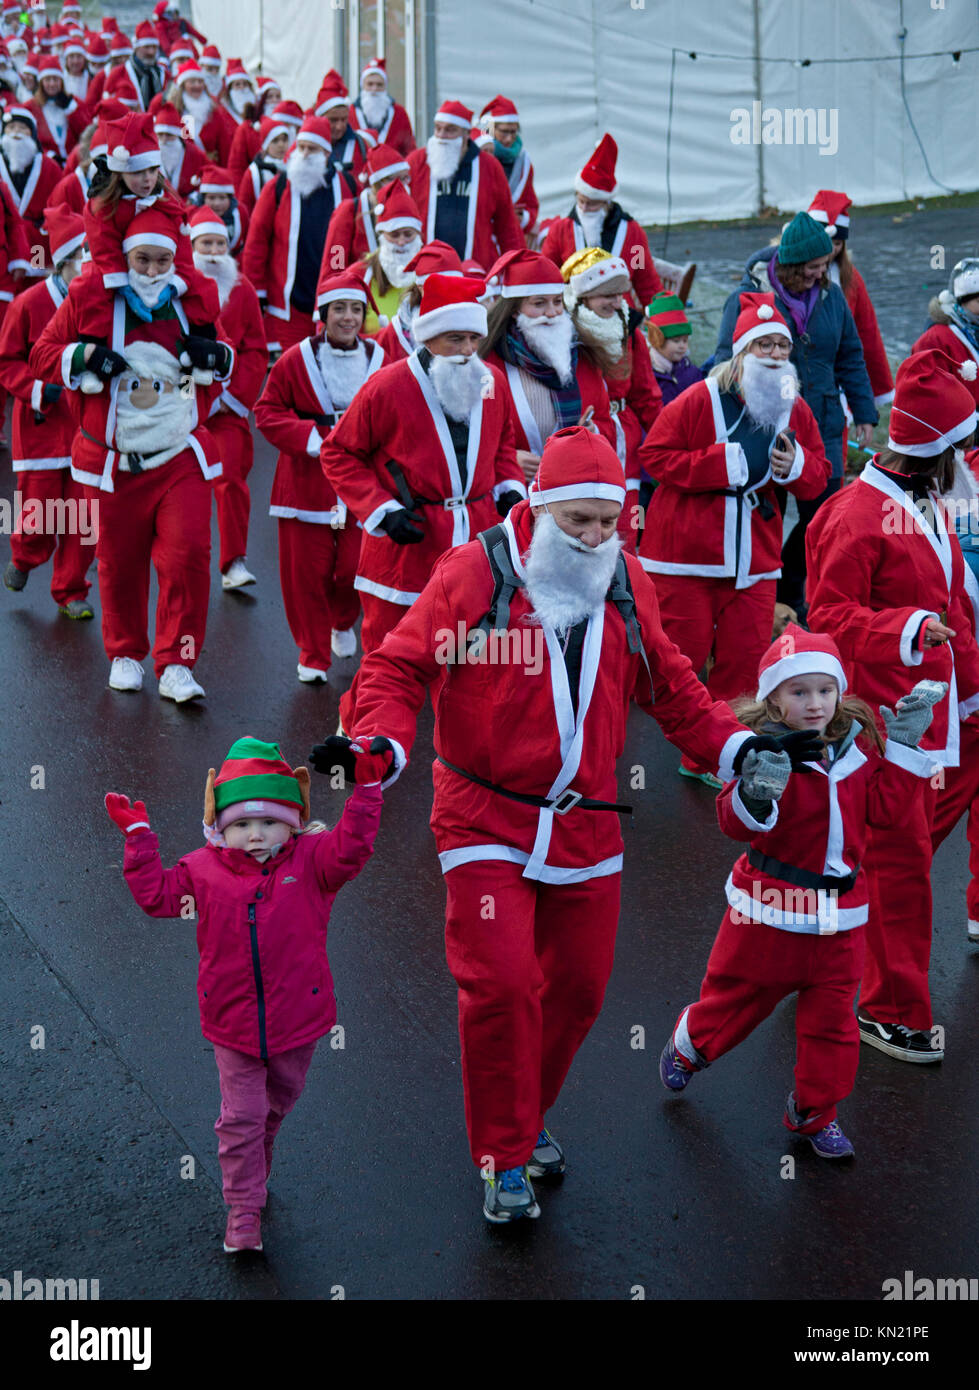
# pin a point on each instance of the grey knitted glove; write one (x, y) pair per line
(765, 775)
(914, 713)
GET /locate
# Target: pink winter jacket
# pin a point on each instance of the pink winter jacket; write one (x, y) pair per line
(264, 984)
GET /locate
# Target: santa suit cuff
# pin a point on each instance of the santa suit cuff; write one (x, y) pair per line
(400, 757)
(314, 443)
(910, 653)
(36, 394)
(745, 816)
(18, 265)
(725, 763)
(737, 465)
(509, 485)
(795, 472)
(226, 376)
(913, 760)
(372, 524)
(968, 706)
(234, 404)
(70, 381)
(885, 399)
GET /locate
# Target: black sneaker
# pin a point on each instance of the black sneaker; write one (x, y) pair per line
(77, 608)
(14, 578)
(897, 1040)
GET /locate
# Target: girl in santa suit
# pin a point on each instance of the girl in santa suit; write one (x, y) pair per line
(713, 532)
(307, 391)
(798, 897)
(275, 137)
(397, 337)
(398, 228)
(888, 586)
(955, 330)
(597, 283)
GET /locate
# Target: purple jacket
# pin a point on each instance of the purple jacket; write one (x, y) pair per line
(264, 984)
(684, 374)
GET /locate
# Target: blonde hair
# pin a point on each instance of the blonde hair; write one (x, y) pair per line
(755, 714)
(729, 373)
(313, 827)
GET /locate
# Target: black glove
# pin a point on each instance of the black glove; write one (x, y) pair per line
(51, 392)
(802, 746)
(506, 500)
(335, 753)
(401, 528)
(206, 354)
(105, 363)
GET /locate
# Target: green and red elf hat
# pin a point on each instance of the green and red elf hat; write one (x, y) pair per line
(255, 780)
(668, 313)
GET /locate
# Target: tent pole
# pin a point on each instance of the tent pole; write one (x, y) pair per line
(379, 50)
(410, 78)
(353, 44)
(760, 148)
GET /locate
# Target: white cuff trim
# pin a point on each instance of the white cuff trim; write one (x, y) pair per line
(737, 465)
(725, 763)
(36, 395)
(968, 706)
(909, 656)
(314, 442)
(795, 472)
(509, 485)
(913, 760)
(372, 526)
(745, 816)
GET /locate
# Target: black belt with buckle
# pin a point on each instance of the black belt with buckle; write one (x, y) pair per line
(802, 878)
(558, 804)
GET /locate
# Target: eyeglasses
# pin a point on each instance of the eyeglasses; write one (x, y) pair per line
(778, 344)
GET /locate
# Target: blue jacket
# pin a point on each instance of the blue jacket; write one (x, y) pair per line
(828, 358)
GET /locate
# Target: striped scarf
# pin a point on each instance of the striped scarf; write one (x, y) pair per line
(567, 399)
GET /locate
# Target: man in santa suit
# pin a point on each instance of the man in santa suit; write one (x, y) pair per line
(597, 284)
(462, 192)
(286, 236)
(205, 121)
(240, 95)
(500, 120)
(97, 64)
(352, 234)
(42, 434)
(120, 50)
(598, 220)
(397, 338)
(349, 147)
(423, 458)
(274, 139)
(58, 117)
(211, 63)
(886, 582)
(171, 26)
(182, 162)
(529, 726)
(376, 112)
(144, 70)
(30, 177)
(307, 392)
(241, 322)
(551, 383)
(145, 386)
(216, 191)
(247, 140)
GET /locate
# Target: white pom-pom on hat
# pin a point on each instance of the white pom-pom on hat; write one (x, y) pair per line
(765, 311)
(967, 370)
(120, 152)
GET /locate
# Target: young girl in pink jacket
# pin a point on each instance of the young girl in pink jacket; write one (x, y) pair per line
(262, 889)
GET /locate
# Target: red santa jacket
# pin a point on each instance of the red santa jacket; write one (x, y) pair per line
(295, 414)
(244, 147)
(693, 525)
(215, 136)
(186, 175)
(635, 400)
(350, 236)
(513, 722)
(948, 337)
(90, 313)
(271, 246)
(565, 236)
(15, 250)
(876, 573)
(820, 825)
(396, 416)
(591, 385)
(72, 191)
(44, 443)
(241, 321)
(526, 204)
(396, 130)
(43, 177)
(878, 367)
(492, 225)
(397, 344)
(78, 119)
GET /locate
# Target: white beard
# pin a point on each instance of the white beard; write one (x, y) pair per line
(375, 106)
(406, 317)
(393, 260)
(167, 424)
(444, 156)
(306, 173)
(199, 110)
(213, 81)
(223, 270)
(591, 225)
(344, 371)
(76, 84)
(149, 287)
(238, 101)
(550, 340)
(769, 392)
(458, 383)
(171, 158)
(605, 333)
(18, 151)
(19, 61)
(566, 580)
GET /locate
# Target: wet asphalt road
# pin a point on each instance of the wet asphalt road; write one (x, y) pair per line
(373, 1190)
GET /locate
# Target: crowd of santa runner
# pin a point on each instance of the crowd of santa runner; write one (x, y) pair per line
(490, 431)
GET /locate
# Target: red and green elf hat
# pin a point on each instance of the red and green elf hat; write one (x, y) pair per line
(669, 315)
(256, 772)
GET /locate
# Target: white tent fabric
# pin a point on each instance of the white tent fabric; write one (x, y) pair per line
(292, 40)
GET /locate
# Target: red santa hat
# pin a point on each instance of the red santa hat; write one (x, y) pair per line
(210, 57)
(205, 222)
(395, 208)
(500, 108)
(20, 113)
(376, 67)
(316, 129)
(50, 66)
(31, 65)
(525, 272)
(597, 178)
(183, 51)
(344, 284)
(577, 463)
(119, 86)
(70, 8)
(454, 113)
(108, 110)
(189, 69)
(237, 72)
(151, 228)
(289, 112)
(332, 93)
(758, 318)
(796, 653)
(383, 164)
(435, 258)
(119, 45)
(214, 179)
(166, 119)
(269, 127)
(97, 49)
(145, 34)
(75, 44)
(450, 304)
(110, 25)
(933, 408)
(65, 231)
(832, 209)
(132, 143)
(264, 85)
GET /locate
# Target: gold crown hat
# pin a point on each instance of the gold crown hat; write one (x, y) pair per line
(594, 269)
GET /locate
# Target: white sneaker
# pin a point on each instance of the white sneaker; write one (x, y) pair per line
(125, 673)
(344, 643)
(973, 932)
(310, 674)
(237, 575)
(177, 683)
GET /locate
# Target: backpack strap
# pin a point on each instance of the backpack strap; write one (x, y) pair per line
(620, 593)
(280, 186)
(505, 585)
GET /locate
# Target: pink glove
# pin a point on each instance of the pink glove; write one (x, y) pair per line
(127, 817)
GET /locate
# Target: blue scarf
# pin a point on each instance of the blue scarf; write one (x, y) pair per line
(567, 399)
(139, 308)
(965, 322)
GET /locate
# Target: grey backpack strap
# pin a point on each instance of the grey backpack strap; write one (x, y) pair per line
(620, 593)
(505, 584)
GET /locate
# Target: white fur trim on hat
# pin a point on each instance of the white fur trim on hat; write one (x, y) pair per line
(165, 243)
(450, 318)
(313, 139)
(800, 664)
(160, 130)
(448, 118)
(393, 224)
(389, 172)
(760, 330)
(597, 193)
(208, 229)
(607, 492)
(217, 188)
(330, 102)
(966, 284)
(943, 439)
(328, 296)
(525, 291)
(120, 161)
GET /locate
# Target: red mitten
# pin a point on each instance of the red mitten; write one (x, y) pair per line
(374, 762)
(127, 817)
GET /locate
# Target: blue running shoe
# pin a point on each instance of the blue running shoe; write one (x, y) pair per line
(831, 1142)
(508, 1196)
(548, 1159)
(674, 1069)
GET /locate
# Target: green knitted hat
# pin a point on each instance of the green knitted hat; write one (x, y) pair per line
(669, 314)
(255, 771)
(804, 239)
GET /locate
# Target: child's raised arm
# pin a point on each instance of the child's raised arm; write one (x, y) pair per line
(159, 892)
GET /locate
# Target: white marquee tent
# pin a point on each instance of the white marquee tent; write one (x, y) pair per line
(718, 106)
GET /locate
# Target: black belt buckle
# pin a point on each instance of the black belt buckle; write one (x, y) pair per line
(563, 803)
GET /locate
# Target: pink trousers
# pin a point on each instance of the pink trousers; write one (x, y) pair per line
(256, 1096)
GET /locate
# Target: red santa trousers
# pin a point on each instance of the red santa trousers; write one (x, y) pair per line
(531, 961)
(960, 794)
(163, 517)
(236, 451)
(752, 967)
(317, 568)
(256, 1096)
(41, 491)
(704, 615)
(379, 618)
(898, 865)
